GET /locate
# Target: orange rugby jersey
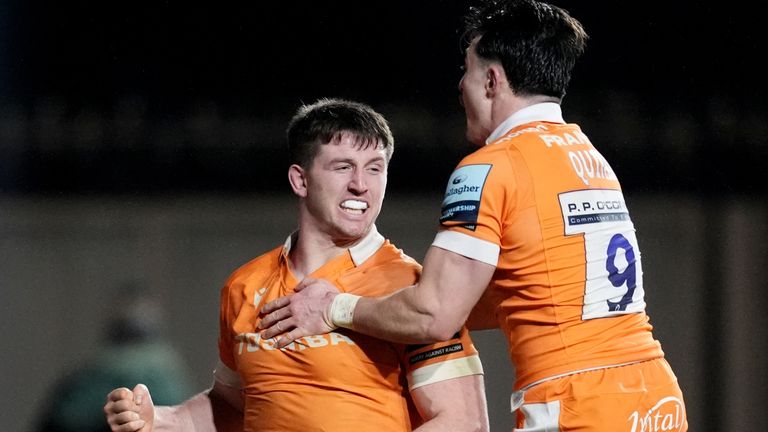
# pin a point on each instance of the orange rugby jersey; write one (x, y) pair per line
(543, 205)
(341, 381)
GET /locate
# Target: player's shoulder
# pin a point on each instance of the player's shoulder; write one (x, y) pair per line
(526, 141)
(498, 152)
(391, 254)
(265, 262)
(385, 271)
(541, 136)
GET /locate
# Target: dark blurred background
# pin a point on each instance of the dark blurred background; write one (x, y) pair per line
(147, 139)
(166, 97)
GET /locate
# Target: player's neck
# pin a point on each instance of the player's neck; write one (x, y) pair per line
(311, 252)
(508, 103)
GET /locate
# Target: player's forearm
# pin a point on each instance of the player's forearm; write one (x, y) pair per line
(406, 316)
(433, 310)
(194, 415)
(411, 315)
(456, 404)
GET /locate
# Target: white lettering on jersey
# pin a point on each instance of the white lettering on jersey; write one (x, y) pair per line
(316, 341)
(337, 338)
(589, 164)
(251, 342)
(564, 139)
(257, 297)
(667, 415)
(537, 128)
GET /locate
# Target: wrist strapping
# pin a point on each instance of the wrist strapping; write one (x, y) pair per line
(342, 310)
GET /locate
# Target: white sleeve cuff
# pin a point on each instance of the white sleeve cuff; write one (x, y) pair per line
(445, 370)
(468, 246)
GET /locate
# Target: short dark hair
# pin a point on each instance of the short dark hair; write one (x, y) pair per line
(327, 120)
(537, 43)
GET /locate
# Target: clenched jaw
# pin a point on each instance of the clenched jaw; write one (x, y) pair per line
(354, 206)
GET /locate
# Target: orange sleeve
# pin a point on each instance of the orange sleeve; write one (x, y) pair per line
(227, 315)
(479, 195)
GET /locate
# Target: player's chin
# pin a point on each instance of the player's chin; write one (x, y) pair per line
(357, 229)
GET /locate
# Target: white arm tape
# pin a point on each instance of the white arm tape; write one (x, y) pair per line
(343, 310)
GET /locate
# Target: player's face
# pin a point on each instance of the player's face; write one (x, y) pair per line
(345, 188)
(474, 96)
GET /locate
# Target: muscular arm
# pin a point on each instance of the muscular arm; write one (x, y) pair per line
(433, 310)
(227, 407)
(217, 409)
(457, 404)
(220, 409)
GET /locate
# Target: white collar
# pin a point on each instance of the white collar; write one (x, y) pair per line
(360, 252)
(545, 111)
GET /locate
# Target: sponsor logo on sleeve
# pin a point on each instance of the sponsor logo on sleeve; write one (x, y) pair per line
(461, 204)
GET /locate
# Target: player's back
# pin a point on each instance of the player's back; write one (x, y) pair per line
(568, 289)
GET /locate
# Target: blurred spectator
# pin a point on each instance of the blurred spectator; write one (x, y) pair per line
(134, 350)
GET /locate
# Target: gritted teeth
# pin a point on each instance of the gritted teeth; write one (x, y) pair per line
(354, 205)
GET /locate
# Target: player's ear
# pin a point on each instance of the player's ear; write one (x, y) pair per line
(298, 180)
(495, 79)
